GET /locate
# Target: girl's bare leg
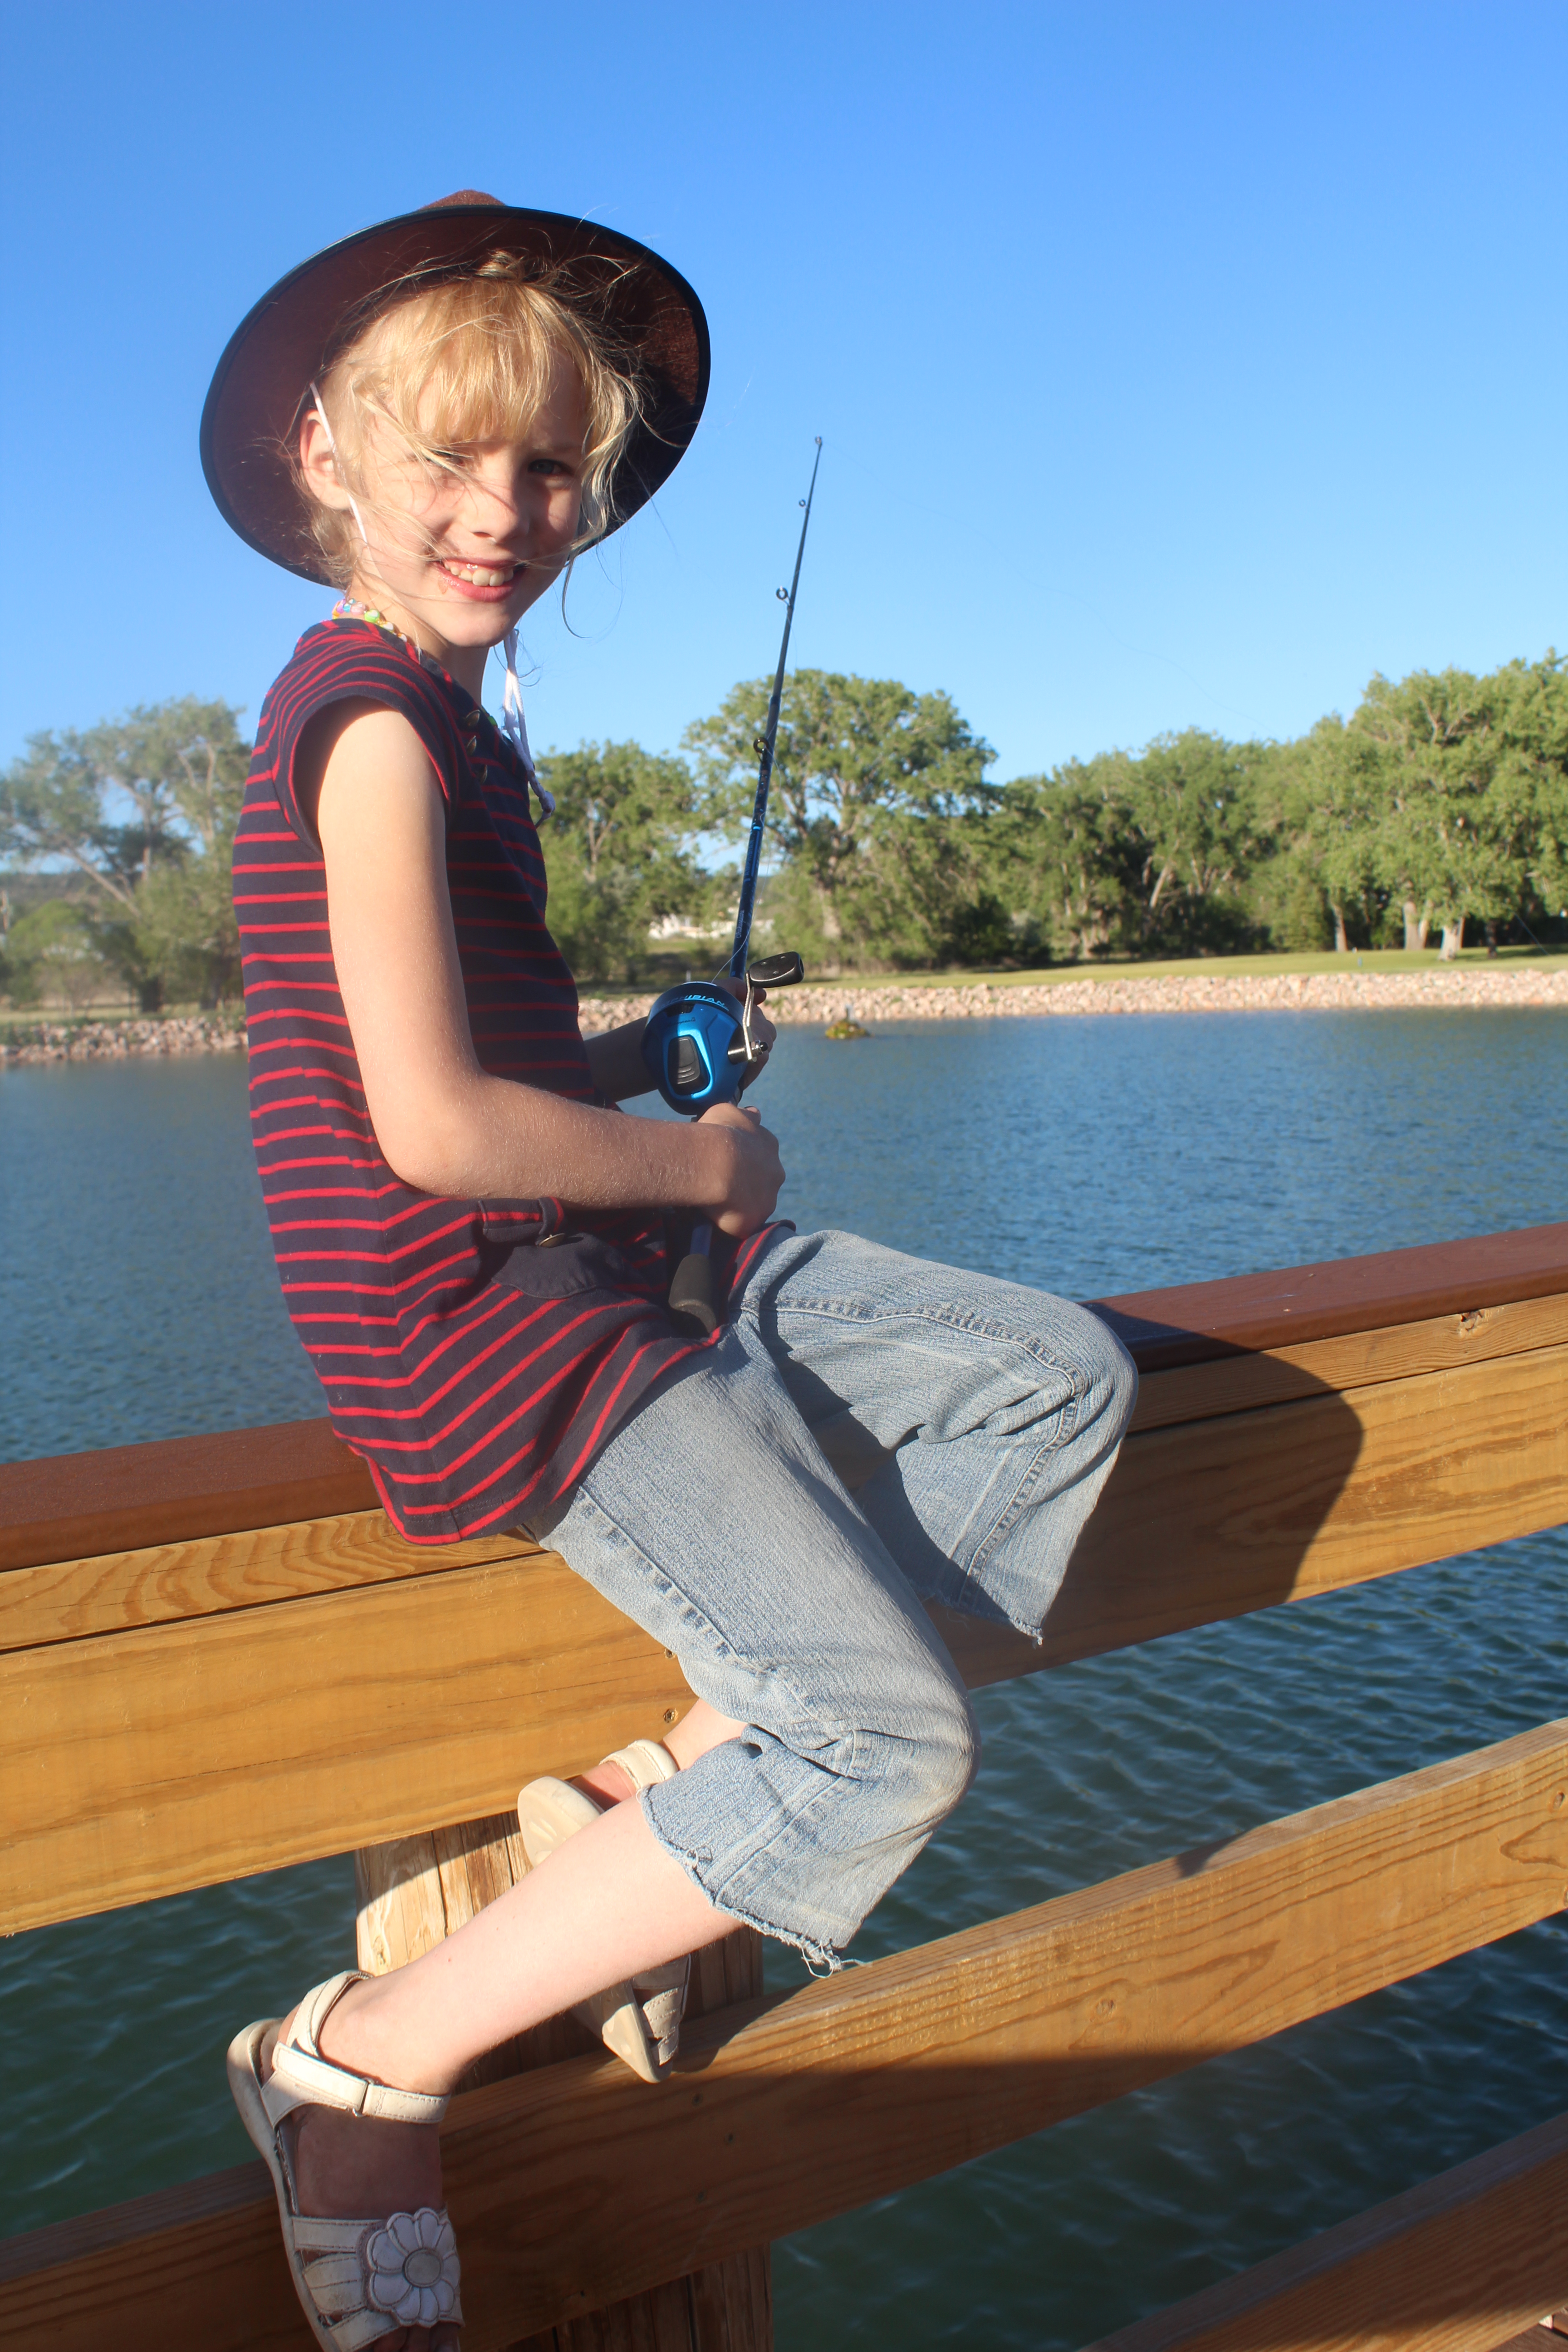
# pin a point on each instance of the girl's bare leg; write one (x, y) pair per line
(700, 1729)
(607, 1904)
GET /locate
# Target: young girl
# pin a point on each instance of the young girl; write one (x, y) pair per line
(476, 1244)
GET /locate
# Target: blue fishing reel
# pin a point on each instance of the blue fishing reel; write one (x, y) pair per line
(698, 1042)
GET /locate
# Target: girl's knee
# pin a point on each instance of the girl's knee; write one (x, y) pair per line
(1122, 1384)
(923, 1770)
(1106, 1379)
(955, 1758)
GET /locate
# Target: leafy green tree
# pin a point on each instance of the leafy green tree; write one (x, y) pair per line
(51, 953)
(1534, 720)
(1194, 805)
(1464, 785)
(869, 781)
(1058, 858)
(619, 855)
(1322, 801)
(1431, 751)
(143, 809)
(1130, 855)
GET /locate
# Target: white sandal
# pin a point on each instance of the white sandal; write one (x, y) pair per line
(639, 2019)
(356, 2281)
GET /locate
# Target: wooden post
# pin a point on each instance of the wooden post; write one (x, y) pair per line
(414, 1890)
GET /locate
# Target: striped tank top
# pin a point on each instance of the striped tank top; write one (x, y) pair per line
(475, 1370)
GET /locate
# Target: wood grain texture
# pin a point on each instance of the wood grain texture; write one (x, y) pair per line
(173, 1755)
(161, 1583)
(1199, 1321)
(574, 2187)
(66, 1601)
(727, 2307)
(413, 1892)
(1310, 1496)
(1240, 1383)
(1449, 2267)
(135, 1498)
(124, 1495)
(182, 1755)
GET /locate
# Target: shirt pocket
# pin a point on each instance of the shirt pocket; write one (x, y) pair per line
(559, 1264)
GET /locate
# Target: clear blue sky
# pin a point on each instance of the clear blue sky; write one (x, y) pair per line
(1177, 364)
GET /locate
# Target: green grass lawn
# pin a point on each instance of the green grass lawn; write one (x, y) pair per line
(58, 1016)
(1242, 967)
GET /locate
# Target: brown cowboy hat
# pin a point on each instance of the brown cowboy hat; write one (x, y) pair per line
(282, 344)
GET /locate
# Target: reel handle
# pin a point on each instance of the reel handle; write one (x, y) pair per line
(776, 971)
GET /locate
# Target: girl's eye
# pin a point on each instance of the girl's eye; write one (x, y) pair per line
(547, 466)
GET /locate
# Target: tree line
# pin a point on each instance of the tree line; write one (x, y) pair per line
(1440, 803)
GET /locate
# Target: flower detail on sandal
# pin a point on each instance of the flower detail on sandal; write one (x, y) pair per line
(414, 2271)
(356, 2280)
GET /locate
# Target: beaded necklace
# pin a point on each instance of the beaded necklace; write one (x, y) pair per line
(348, 608)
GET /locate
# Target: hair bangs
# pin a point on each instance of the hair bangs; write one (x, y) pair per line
(469, 361)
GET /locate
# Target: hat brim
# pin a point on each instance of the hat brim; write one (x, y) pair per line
(280, 345)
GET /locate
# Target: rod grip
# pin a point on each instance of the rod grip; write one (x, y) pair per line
(691, 1306)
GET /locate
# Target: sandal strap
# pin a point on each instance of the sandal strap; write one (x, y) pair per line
(366, 2278)
(645, 1762)
(358, 2330)
(302, 2077)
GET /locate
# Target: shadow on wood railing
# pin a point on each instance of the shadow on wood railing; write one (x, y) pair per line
(1295, 1432)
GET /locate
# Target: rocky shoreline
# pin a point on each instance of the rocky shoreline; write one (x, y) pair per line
(872, 1001)
(869, 1002)
(120, 1041)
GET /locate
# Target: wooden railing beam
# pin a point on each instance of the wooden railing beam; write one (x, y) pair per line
(175, 1754)
(1241, 1382)
(1198, 1322)
(234, 1567)
(129, 1498)
(575, 2186)
(121, 1496)
(1452, 2266)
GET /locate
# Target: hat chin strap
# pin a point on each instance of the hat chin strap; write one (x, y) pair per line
(333, 445)
(516, 726)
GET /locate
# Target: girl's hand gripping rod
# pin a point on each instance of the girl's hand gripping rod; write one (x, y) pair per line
(697, 1042)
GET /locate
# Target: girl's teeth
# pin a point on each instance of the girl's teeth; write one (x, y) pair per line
(479, 578)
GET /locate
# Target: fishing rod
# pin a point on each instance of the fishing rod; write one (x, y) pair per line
(697, 1042)
(764, 747)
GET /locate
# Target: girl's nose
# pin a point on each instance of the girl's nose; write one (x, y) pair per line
(502, 503)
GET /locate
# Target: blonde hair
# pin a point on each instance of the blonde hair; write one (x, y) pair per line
(469, 359)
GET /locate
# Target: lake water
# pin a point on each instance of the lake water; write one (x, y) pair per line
(139, 1301)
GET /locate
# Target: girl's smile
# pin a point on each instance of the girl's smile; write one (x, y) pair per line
(482, 581)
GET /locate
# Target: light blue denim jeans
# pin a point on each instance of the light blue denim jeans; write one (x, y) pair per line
(714, 1519)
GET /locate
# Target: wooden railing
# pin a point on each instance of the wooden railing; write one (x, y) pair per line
(1295, 1432)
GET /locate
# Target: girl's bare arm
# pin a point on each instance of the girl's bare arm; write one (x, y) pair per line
(443, 1123)
(615, 1057)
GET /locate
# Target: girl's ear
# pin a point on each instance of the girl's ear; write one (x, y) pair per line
(319, 465)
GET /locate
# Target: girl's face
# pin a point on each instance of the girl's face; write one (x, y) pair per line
(456, 555)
